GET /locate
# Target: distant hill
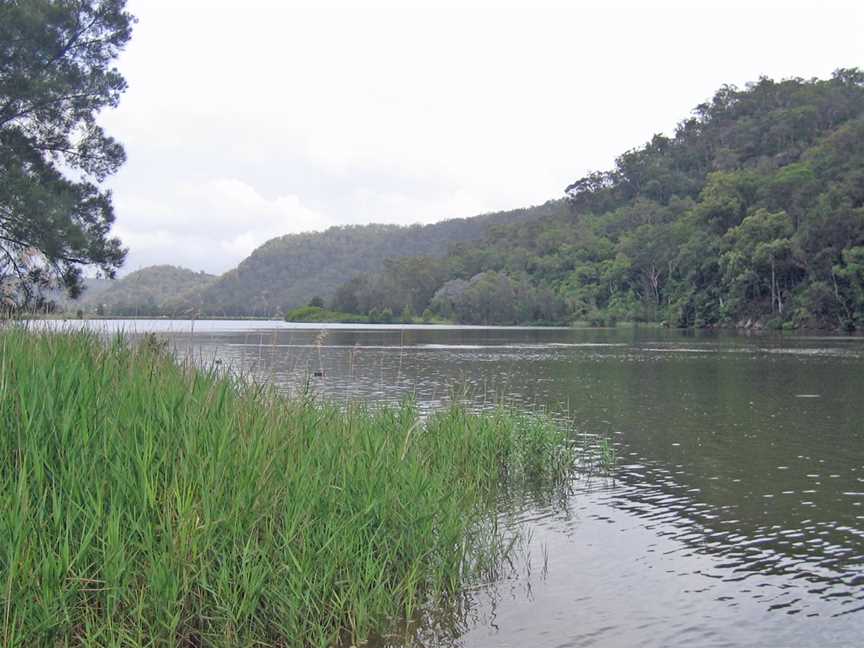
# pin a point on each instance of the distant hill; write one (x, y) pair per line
(156, 290)
(750, 215)
(92, 287)
(288, 271)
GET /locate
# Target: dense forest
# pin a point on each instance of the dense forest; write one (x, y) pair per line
(751, 214)
(154, 291)
(289, 271)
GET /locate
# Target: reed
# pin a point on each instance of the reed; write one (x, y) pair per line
(145, 502)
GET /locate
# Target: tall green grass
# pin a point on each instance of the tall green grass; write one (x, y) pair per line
(149, 503)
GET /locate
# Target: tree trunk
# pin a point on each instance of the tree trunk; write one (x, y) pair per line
(654, 282)
(773, 286)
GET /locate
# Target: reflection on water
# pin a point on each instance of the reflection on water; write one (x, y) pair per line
(736, 516)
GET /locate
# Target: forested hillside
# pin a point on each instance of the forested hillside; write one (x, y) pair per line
(59, 300)
(156, 290)
(288, 271)
(752, 213)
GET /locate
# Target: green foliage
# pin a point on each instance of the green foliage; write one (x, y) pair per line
(317, 314)
(751, 212)
(146, 503)
(608, 455)
(162, 290)
(56, 75)
(759, 261)
(287, 272)
(407, 316)
(496, 298)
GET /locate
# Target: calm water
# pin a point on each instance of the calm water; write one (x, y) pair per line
(737, 513)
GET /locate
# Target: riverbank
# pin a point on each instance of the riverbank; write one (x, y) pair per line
(314, 315)
(309, 314)
(145, 502)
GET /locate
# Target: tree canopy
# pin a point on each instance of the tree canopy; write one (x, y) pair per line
(162, 290)
(752, 212)
(56, 75)
(288, 271)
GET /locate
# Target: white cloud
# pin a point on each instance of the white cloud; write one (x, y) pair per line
(208, 226)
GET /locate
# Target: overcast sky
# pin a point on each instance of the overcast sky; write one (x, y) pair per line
(247, 120)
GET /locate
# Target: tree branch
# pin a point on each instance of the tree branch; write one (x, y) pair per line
(58, 256)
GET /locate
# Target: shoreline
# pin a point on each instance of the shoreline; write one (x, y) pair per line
(754, 328)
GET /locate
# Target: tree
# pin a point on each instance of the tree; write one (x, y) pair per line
(449, 297)
(848, 282)
(316, 302)
(651, 250)
(56, 75)
(760, 257)
(407, 314)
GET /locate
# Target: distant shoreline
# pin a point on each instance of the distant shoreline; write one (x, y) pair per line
(580, 325)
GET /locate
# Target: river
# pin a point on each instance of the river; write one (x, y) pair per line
(736, 515)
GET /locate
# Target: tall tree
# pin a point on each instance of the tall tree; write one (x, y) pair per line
(56, 74)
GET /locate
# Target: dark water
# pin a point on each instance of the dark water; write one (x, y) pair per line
(736, 517)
